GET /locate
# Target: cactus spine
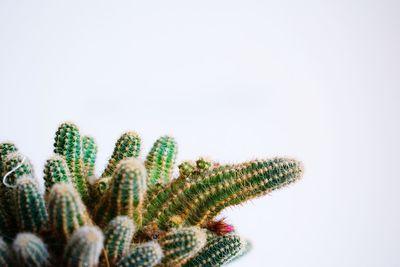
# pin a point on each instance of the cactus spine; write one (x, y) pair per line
(66, 211)
(31, 209)
(144, 255)
(160, 161)
(127, 146)
(84, 248)
(89, 155)
(181, 244)
(30, 251)
(56, 171)
(6, 255)
(118, 236)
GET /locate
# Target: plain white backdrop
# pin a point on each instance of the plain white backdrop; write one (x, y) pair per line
(232, 80)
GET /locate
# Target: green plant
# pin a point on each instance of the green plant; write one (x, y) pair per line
(147, 216)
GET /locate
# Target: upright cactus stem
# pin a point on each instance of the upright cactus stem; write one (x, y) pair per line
(56, 171)
(127, 146)
(160, 161)
(218, 251)
(5, 150)
(68, 144)
(181, 244)
(30, 251)
(89, 155)
(66, 211)
(84, 248)
(144, 255)
(6, 255)
(126, 193)
(15, 166)
(118, 236)
(30, 207)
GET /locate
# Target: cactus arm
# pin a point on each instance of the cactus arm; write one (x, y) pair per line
(30, 250)
(144, 255)
(56, 171)
(127, 146)
(5, 150)
(118, 237)
(84, 248)
(89, 148)
(160, 161)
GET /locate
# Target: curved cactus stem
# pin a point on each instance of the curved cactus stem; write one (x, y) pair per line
(181, 244)
(84, 248)
(6, 255)
(68, 144)
(30, 207)
(118, 237)
(160, 161)
(126, 193)
(218, 251)
(30, 250)
(67, 213)
(89, 148)
(127, 146)
(144, 255)
(56, 171)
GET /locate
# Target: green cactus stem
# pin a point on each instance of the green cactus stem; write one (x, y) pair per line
(67, 213)
(181, 244)
(160, 161)
(30, 251)
(84, 248)
(218, 251)
(68, 144)
(6, 255)
(186, 168)
(144, 255)
(118, 237)
(100, 187)
(127, 146)
(126, 193)
(5, 150)
(89, 148)
(30, 206)
(56, 171)
(15, 165)
(210, 189)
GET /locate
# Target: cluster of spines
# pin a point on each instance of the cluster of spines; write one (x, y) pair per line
(142, 255)
(30, 251)
(56, 171)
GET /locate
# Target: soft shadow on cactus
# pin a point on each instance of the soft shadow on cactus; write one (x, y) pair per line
(136, 213)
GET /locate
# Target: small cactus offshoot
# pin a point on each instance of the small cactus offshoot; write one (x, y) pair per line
(135, 214)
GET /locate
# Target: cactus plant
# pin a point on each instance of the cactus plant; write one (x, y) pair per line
(148, 216)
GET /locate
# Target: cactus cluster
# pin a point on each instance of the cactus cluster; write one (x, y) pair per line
(136, 213)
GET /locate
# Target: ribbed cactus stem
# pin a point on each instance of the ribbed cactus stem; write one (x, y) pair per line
(186, 168)
(84, 248)
(126, 193)
(118, 237)
(30, 206)
(210, 189)
(218, 251)
(144, 255)
(181, 244)
(16, 165)
(160, 161)
(56, 171)
(5, 150)
(89, 147)
(127, 146)
(100, 187)
(67, 213)
(30, 251)
(68, 144)
(6, 255)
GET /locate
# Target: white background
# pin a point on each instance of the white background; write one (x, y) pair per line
(234, 80)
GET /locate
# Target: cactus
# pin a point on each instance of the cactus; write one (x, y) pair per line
(6, 255)
(30, 207)
(56, 171)
(89, 148)
(127, 146)
(66, 211)
(218, 251)
(181, 244)
(144, 255)
(126, 193)
(30, 251)
(84, 248)
(160, 161)
(148, 217)
(118, 236)
(68, 144)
